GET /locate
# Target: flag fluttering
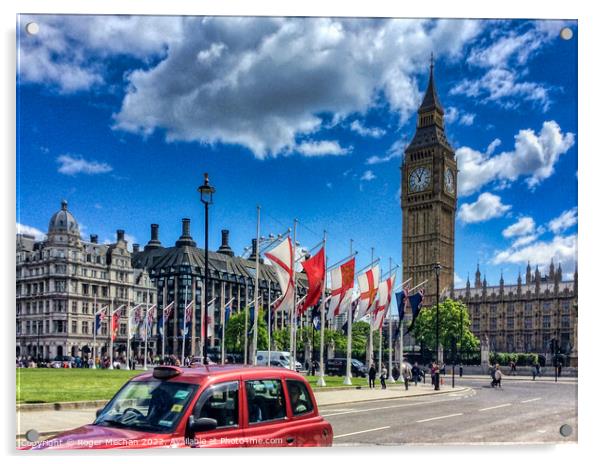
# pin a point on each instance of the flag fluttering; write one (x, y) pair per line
(148, 321)
(416, 305)
(368, 282)
(251, 319)
(342, 278)
(385, 290)
(135, 319)
(187, 318)
(115, 322)
(402, 298)
(315, 268)
(164, 316)
(283, 259)
(100, 316)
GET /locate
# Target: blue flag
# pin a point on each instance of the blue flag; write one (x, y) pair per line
(228, 310)
(252, 320)
(401, 302)
(416, 304)
(316, 322)
(97, 323)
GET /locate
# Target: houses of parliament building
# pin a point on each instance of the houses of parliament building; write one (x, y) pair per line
(520, 317)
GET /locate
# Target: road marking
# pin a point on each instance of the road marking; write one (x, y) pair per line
(495, 407)
(532, 399)
(362, 431)
(357, 411)
(440, 417)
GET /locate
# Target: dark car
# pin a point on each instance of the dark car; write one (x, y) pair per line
(338, 366)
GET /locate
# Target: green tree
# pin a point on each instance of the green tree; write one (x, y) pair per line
(450, 314)
(235, 332)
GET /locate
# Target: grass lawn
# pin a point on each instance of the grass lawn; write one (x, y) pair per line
(57, 385)
(332, 381)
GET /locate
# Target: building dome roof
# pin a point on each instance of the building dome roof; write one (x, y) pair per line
(63, 222)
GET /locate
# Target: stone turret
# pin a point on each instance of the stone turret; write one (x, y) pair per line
(528, 276)
(477, 278)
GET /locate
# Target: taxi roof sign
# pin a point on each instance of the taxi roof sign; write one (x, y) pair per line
(166, 372)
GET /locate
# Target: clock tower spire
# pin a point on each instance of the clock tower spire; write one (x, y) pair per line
(429, 197)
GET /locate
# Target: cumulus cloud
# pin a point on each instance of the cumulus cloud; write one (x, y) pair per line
(534, 157)
(504, 59)
(321, 148)
(525, 225)
(368, 175)
(59, 55)
(566, 220)
(270, 81)
(29, 230)
(375, 132)
(72, 165)
(453, 115)
(487, 206)
(560, 249)
(394, 151)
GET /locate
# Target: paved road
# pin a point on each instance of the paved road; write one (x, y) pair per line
(521, 412)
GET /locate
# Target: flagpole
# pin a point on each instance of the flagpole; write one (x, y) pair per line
(294, 307)
(269, 322)
(415, 287)
(94, 336)
(184, 326)
(391, 378)
(321, 382)
(222, 322)
(256, 293)
(111, 336)
(347, 380)
(163, 335)
(127, 352)
(146, 330)
(370, 336)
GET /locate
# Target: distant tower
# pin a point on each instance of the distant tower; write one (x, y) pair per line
(528, 277)
(477, 277)
(428, 197)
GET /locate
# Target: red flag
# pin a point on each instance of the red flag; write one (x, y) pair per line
(115, 322)
(315, 268)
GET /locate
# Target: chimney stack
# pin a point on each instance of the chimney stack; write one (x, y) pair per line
(136, 247)
(224, 248)
(154, 241)
(120, 235)
(185, 239)
(93, 238)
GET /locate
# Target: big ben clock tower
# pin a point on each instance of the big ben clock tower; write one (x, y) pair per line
(429, 199)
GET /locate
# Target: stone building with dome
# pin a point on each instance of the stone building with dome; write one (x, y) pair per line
(62, 280)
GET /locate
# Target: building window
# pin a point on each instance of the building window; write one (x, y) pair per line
(566, 307)
(46, 326)
(103, 328)
(510, 323)
(74, 327)
(85, 307)
(122, 329)
(85, 327)
(546, 306)
(546, 322)
(59, 285)
(493, 323)
(528, 322)
(74, 307)
(493, 308)
(528, 309)
(476, 326)
(565, 321)
(510, 309)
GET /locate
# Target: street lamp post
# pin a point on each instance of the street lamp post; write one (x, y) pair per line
(437, 269)
(206, 192)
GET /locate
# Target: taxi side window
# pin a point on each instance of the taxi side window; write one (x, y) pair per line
(299, 397)
(265, 400)
(219, 402)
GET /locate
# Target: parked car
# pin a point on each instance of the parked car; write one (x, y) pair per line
(338, 366)
(284, 356)
(213, 406)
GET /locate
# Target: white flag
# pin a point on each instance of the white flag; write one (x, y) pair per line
(368, 282)
(282, 258)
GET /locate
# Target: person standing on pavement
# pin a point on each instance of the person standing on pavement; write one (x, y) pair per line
(383, 378)
(436, 376)
(415, 374)
(371, 376)
(533, 371)
(406, 373)
(559, 368)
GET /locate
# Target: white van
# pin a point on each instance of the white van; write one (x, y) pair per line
(281, 358)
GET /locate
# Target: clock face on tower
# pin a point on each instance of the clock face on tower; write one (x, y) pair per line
(449, 181)
(420, 178)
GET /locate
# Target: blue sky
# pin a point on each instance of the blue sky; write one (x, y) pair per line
(306, 117)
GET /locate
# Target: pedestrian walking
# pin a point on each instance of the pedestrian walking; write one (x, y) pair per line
(371, 376)
(383, 378)
(406, 372)
(559, 368)
(436, 376)
(534, 371)
(497, 377)
(461, 370)
(416, 374)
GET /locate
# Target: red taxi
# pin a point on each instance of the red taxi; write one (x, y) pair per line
(209, 406)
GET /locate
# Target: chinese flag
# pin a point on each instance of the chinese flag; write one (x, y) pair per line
(315, 268)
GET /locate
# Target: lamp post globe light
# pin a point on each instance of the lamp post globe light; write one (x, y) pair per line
(206, 192)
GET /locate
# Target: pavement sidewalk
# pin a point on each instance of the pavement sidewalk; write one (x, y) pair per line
(47, 422)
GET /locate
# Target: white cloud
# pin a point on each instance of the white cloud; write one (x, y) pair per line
(368, 176)
(525, 240)
(458, 281)
(567, 219)
(394, 151)
(274, 79)
(502, 87)
(467, 119)
(492, 146)
(375, 132)
(534, 157)
(59, 55)
(560, 249)
(72, 165)
(525, 225)
(453, 114)
(487, 206)
(29, 230)
(321, 148)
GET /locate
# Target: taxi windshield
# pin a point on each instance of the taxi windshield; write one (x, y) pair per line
(154, 406)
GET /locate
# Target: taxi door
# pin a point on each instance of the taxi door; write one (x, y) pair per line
(266, 418)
